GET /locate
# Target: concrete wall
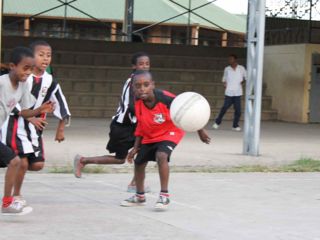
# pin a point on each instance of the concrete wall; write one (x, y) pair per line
(287, 74)
(284, 74)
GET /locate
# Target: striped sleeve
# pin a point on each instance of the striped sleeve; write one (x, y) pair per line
(61, 107)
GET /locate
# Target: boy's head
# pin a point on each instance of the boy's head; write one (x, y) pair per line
(21, 63)
(232, 59)
(143, 85)
(140, 61)
(42, 54)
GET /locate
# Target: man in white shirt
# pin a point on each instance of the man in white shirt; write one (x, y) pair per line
(233, 77)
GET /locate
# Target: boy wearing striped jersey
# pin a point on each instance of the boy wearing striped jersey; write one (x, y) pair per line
(122, 127)
(13, 90)
(24, 136)
(156, 137)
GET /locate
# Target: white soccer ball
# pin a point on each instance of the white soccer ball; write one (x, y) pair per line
(190, 111)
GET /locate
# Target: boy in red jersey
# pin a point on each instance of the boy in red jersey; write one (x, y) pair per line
(156, 137)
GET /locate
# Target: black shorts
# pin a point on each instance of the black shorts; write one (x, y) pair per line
(37, 155)
(6, 155)
(121, 139)
(32, 158)
(148, 152)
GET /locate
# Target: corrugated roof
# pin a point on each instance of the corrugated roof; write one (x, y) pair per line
(147, 11)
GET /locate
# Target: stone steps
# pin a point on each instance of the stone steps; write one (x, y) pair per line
(116, 73)
(157, 61)
(92, 111)
(92, 73)
(105, 100)
(112, 86)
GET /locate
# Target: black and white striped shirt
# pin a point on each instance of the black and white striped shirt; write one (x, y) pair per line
(17, 132)
(125, 112)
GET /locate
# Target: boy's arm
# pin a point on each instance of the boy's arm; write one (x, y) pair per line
(245, 76)
(61, 111)
(60, 131)
(47, 107)
(38, 122)
(135, 149)
(224, 77)
(204, 137)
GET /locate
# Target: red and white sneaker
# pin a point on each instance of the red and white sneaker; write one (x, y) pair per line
(134, 201)
(15, 209)
(162, 203)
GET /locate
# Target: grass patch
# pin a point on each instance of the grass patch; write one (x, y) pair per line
(301, 165)
(69, 169)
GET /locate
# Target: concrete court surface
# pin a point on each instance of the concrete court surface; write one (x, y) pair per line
(204, 207)
(281, 143)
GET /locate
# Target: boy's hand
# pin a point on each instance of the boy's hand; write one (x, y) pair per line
(59, 135)
(204, 137)
(39, 123)
(47, 107)
(131, 155)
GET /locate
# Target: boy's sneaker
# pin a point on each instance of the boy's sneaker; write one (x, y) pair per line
(16, 209)
(133, 189)
(21, 200)
(237, 129)
(162, 203)
(77, 166)
(215, 126)
(135, 200)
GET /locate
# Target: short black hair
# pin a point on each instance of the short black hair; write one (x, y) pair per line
(233, 55)
(137, 55)
(139, 73)
(19, 53)
(37, 43)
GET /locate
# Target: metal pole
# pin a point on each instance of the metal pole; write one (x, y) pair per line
(310, 21)
(128, 20)
(65, 18)
(255, 48)
(188, 27)
(1, 12)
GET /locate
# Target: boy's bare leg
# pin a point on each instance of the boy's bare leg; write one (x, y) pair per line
(133, 182)
(140, 174)
(139, 198)
(163, 166)
(37, 166)
(10, 176)
(20, 176)
(80, 162)
(106, 159)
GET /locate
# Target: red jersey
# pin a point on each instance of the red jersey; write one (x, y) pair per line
(155, 125)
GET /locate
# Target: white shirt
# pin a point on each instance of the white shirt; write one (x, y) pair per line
(9, 97)
(233, 78)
